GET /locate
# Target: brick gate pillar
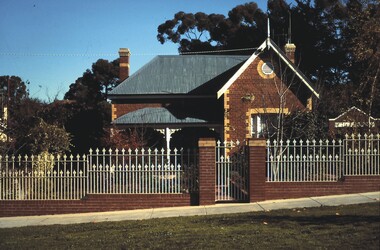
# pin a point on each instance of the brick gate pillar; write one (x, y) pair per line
(206, 171)
(257, 169)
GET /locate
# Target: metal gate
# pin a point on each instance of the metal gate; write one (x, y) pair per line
(231, 172)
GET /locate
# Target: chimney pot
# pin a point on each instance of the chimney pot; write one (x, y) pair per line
(124, 55)
(290, 49)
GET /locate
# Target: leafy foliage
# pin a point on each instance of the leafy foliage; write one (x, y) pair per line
(92, 87)
(89, 112)
(363, 29)
(49, 138)
(305, 125)
(202, 32)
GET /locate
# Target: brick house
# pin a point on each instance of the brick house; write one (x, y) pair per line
(225, 96)
(354, 120)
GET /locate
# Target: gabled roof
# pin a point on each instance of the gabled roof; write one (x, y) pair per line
(196, 74)
(181, 74)
(353, 111)
(268, 44)
(154, 116)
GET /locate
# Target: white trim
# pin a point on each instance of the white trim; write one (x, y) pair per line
(344, 113)
(290, 65)
(268, 43)
(241, 70)
(353, 124)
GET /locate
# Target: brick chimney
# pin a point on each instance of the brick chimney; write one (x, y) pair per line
(124, 54)
(290, 49)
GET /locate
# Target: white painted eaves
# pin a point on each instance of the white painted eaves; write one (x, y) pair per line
(270, 44)
(241, 70)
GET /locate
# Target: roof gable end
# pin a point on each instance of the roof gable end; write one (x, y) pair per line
(268, 44)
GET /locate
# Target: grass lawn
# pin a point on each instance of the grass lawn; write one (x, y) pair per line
(344, 227)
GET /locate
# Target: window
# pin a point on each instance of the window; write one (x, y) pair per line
(267, 68)
(263, 125)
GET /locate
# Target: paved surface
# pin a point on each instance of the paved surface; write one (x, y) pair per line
(143, 214)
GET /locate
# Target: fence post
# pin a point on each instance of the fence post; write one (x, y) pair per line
(257, 169)
(206, 171)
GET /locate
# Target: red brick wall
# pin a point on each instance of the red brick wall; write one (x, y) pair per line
(93, 203)
(265, 96)
(256, 174)
(207, 171)
(350, 185)
(261, 190)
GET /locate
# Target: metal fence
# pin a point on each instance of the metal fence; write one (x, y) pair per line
(361, 155)
(231, 172)
(42, 177)
(323, 160)
(140, 171)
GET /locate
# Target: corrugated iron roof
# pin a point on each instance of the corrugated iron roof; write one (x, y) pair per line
(176, 74)
(154, 116)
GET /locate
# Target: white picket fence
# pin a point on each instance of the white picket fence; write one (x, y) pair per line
(58, 177)
(323, 160)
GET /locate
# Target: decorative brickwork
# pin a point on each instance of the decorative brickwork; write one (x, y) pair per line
(124, 54)
(113, 112)
(256, 169)
(226, 115)
(252, 92)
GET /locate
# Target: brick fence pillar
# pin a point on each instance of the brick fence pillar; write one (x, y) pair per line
(206, 171)
(257, 168)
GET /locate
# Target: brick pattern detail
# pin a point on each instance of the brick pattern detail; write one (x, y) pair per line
(207, 171)
(93, 203)
(257, 170)
(124, 64)
(251, 92)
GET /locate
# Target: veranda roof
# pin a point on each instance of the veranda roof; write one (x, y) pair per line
(158, 117)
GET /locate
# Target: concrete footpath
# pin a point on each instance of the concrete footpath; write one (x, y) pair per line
(143, 214)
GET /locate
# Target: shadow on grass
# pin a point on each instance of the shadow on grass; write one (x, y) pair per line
(302, 220)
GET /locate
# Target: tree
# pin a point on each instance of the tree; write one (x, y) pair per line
(107, 74)
(20, 112)
(315, 28)
(363, 31)
(13, 91)
(244, 27)
(89, 111)
(93, 86)
(26, 128)
(47, 138)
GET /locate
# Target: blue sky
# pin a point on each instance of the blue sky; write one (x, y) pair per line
(51, 43)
